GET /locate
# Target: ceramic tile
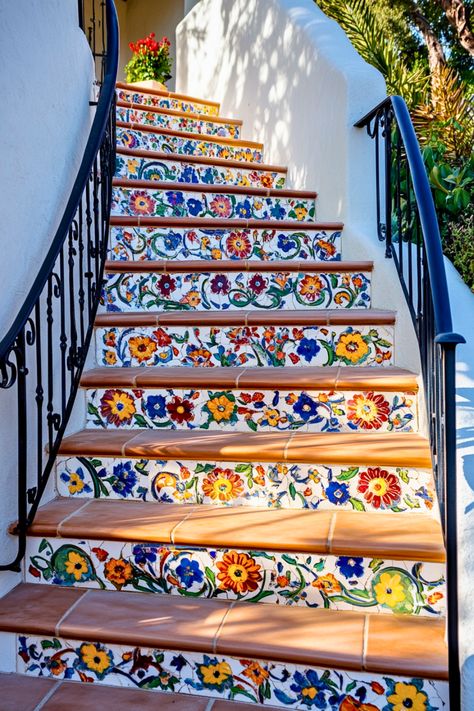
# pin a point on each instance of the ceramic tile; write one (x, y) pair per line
(269, 410)
(190, 123)
(140, 168)
(224, 677)
(137, 243)
(131, 96)
(206, 291)
(157, 202)
(273, 484)
(256, 575)
(199, 146)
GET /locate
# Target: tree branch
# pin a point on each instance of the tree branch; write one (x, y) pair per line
(436, 57)
(457, 15)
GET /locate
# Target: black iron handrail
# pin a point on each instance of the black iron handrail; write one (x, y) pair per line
(44, 351)
(407, 223)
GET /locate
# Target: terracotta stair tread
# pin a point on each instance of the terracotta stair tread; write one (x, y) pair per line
(203, 222)
(370, 535)
(303, 317)
(158, 92)
(179, 157)
(176, 112)
(20, 692)
(236, 142)
(352, 449)
(387, 378)
(206, 188)
(323, 638)
(233, 265)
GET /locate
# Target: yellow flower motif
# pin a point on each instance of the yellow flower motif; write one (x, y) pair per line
(164, 480)
(94, 658)
(216, 254)
(272, 417)
(258, 205)
(110, 357)
(221, 408)
(327, 584)
(244, 182)
(76, 565)
(132, 165)
(141, 347)
(389, 591)
(407, 696)
(352, 347)
(300, 212)
(215, 674)
(75, 483)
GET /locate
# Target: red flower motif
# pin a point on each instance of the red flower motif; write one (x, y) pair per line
(101, 554)
(257, 284)
(166, 284)
(368, 410)
(180, 410)
(162, 338)
(379, 487)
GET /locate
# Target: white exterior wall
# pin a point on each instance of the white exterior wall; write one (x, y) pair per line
(46, 79)
(294, 78)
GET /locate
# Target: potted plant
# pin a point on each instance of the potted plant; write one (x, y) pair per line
(150, 64)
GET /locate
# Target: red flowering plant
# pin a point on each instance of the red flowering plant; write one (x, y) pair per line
(151, 60)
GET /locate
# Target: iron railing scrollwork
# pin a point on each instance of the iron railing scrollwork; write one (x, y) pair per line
(44, 351)
(407, 224)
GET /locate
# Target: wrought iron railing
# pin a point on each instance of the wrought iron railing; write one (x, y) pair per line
(44, 352)
(407, 224)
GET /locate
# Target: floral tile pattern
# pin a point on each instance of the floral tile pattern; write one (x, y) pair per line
(277, 346)
(139, 168)
(190, 123)
(313, 580)
(204, 291)
(286, 686)
(186, 203)
(199, 146)
(273, 484)
(137, 243)
(305, 410)
(166, 102)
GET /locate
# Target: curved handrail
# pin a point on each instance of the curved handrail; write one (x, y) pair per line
(427, 212)
(94, 141)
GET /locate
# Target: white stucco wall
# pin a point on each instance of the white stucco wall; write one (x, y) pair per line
(46, 81)
(298, 84)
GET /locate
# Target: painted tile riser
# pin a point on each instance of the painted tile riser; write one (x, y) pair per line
(214, 291)
(139, 168)
(273, 484)
(251, 346)
(166, 102)
(239, 410)
(199, 146)
(158, 202)
(285, 685)
(181, 243)
(258, 576)
(190, 123)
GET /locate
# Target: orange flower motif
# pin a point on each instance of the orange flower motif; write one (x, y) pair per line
(141, 348)
(379, 487)
(328, 584)
(310, 287)
(435, 597)
(254, 671)
(377, 688)
(352, 704)
(110, 357)
(140, 203)
(118, 571)
(238, 572)
(223, 485)
(117, 407)
(282, 581)
(368, 411)
(192, 298)
(326, 247)
(266, 180)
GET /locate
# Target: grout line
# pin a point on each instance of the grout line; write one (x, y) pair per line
(287, 444)
(365, 641)
(139, 218)
(71, 515)
(221, 625)
(129, 442)
(175, 528)
(336, 378)
(332, 526)
(48, 695)
(240, 375)
(210, 704)
(57, 630)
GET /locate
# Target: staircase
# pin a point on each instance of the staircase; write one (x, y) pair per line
(249, 514)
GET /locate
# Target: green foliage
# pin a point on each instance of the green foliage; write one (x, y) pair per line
(150, 60)
(459, 245)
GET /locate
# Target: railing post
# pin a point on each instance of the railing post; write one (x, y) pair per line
(387, 133)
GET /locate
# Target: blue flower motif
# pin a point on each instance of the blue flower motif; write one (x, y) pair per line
(308, 348)
(175, 198)
(278, 212)
(208, 176)
(244, 209)
(310, 689)
(155, 406)
(285, 242)
(306, 407)
(189, 572)
(144, 554)
(337, 493)
(171, 240)
(189, 175)
(194, 206)
(124, 479)
(350, 567)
